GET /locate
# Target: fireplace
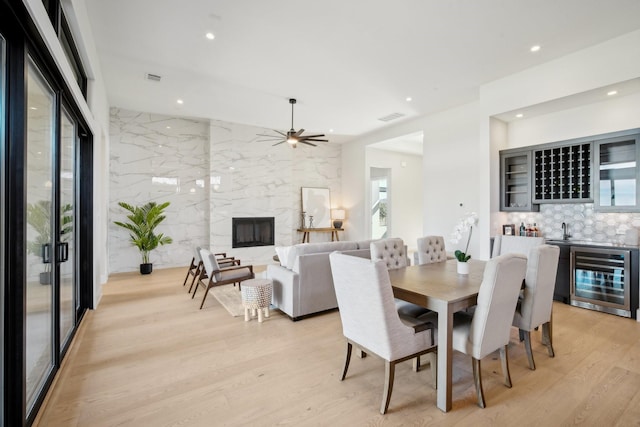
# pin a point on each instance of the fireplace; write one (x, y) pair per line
(249, 232)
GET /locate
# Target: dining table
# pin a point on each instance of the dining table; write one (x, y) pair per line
(438, 287)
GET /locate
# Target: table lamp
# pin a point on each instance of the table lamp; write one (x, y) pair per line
(338, 215)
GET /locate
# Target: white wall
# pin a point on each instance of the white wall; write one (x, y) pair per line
(214, 171)
(462, 144)
(405, 190)
(613, 114)
(450, 172)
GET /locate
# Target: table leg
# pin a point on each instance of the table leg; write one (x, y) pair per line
(445, 359)
(305, 237)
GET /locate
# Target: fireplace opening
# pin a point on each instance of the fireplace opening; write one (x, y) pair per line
(248, 232)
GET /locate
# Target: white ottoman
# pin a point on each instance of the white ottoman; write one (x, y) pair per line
(256, 296)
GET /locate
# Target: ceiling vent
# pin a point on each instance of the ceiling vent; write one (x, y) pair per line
(153, 77)
(390, 117)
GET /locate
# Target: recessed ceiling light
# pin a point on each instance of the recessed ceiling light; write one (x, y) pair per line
(612, 92)
(330, 130)
(519, 115)
(168, 127)
(210, 36)
(409, 99)
(180, 101)
(535, 48)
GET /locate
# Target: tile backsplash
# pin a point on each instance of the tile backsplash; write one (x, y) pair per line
(583, 222)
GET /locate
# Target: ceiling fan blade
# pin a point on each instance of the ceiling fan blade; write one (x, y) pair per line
(314, 136)
(267, 135)
(308, 143)
(281, 133)
(314, 140)
(299, 132)
(281, 142)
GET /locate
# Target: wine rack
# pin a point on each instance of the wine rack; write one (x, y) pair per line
(563, 173)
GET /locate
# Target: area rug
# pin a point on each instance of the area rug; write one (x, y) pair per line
(230, 298)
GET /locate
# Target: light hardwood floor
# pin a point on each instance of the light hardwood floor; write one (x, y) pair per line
(148, 357)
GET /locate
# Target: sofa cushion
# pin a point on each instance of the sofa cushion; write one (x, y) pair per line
(314, 248)
(283, 254)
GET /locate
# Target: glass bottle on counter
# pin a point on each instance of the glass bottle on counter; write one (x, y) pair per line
(523, 230)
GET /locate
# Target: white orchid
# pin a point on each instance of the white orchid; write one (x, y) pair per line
(465, 224)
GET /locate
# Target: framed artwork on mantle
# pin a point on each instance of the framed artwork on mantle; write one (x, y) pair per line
(316, 207)
(509, 230)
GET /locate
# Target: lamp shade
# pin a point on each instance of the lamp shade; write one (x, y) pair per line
(338, 215)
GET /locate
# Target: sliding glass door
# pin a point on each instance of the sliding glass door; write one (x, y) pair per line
(66, 240)
(40, 245)
(3, 209)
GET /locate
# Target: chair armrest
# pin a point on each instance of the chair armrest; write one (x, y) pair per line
(238, 267)
(223, 254)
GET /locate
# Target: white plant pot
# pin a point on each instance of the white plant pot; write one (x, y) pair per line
(463, 267)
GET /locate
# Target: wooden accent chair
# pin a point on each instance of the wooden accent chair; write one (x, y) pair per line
(196, 265)
(370, 320)
(536, 300)
(214, 275)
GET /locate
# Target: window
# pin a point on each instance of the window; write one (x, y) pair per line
(71, 52)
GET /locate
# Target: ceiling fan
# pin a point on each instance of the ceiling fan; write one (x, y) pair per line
(293, 137)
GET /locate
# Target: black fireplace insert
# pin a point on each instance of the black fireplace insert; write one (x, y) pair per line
(248, 232)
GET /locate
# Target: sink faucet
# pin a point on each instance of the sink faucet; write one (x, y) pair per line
(565, 231)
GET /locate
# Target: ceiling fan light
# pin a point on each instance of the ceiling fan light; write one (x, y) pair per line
(292, 140)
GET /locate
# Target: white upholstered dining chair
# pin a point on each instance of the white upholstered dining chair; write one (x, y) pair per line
(430, 249)
(393, 253)
(370, 320)
(536, 301)
(514, 244)
(488, 328)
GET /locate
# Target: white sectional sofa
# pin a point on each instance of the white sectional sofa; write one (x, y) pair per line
(302, 283)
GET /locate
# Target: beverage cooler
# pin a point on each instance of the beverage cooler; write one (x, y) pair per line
(605, 280)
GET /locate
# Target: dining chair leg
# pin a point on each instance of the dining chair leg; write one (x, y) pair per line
(477, 378)
(547, 338)
(390, 369)
(416, 364)
(504, 358)
(347, 359)
(527, 347)
(196, 274)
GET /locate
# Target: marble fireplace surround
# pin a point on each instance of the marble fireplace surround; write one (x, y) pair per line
(211, 171)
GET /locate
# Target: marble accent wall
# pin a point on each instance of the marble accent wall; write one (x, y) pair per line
(211, 171)
(584, 222)
(158, 158)
(254, 179)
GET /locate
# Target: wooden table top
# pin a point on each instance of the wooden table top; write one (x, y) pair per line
(439, 280)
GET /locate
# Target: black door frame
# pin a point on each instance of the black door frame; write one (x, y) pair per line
(23, 40)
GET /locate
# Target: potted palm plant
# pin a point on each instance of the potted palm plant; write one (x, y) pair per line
(143, 221)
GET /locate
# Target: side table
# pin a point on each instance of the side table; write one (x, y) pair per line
(305, 233)
(256, 296)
